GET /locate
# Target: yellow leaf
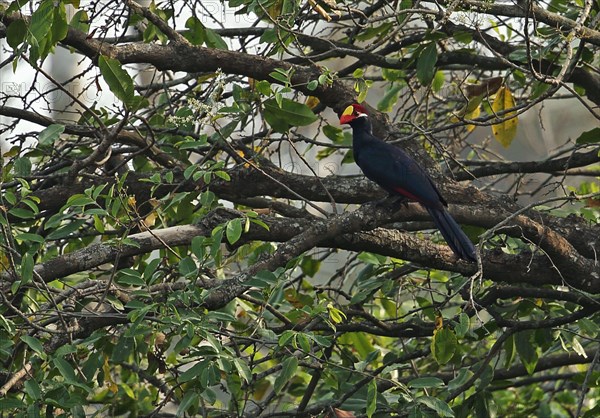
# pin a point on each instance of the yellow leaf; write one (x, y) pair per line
(505, 131)
(467, 111)
(578, 348)
(312, 102)
(320, 10)
(292, 297)
(274, 10)
(12, 152)
(150, 220)
(128, 391)
(261, 389)
(473, 104)
(112, 386)
(241, 154)
(473, 115)
(335, 314)
(3, 261)
(439, 323)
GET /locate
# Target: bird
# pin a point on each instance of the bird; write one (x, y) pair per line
(400, 175)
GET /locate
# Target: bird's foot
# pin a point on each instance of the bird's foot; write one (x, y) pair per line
(391, 201)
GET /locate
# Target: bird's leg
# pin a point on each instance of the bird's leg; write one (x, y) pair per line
(391, 201)
(398, 200)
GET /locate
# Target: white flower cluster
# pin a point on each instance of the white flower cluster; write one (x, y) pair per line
(209, 108)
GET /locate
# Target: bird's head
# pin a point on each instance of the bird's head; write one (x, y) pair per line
(353, 112)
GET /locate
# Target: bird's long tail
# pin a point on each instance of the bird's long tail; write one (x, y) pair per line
(453, 234)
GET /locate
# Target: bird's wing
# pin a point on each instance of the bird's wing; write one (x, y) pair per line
(397, 173)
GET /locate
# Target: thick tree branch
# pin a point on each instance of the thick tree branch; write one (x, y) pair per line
(340, 232)
(555, 165)
(540, 14)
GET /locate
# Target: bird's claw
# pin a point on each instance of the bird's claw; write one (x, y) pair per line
(391, 201)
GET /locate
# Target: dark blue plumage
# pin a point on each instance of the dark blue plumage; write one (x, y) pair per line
(399, 174)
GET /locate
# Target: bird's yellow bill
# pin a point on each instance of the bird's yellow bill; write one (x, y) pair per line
(348, 111)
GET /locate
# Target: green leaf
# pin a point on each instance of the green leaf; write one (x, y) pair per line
(11, 404)
(280, 76)
(312, 85)
(31, 204)
(80, 21)
(26, 269)
(22, 167)
(32, 388)
(425, 382)
(371, 398)
(359, 341)
(29, 237)
(223, 175)
(290, 114)
(263, 87)
(10, 197)
(334, 133)
(462, 327)
(118, 80)
(130, 277)
(426, 64)
(589, 327)
(199, 34)
(438, 81)
(310, 266)
(389, 99)
(214, 40)
(16, 32)
(285, 337)
(124, 349)
(509, 351)
(50, 134)
(65, 369)
(60, 27)
(440, 407)
(21, 213)
(234, 230)
(79, 200)
(525, 349)
(65, 231)
(35, 345)
(192, 373)
(262, 279)
(242, 369)
(393, 75)
(443, 345)
(361, 86)
(210, 375)
(188, 267)
(190, 399)
(463, 37)
(7, 324)
(195, 34)
(463, 377)
(589, 137)
(288, 370)
(41, 22)
(303, 342)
